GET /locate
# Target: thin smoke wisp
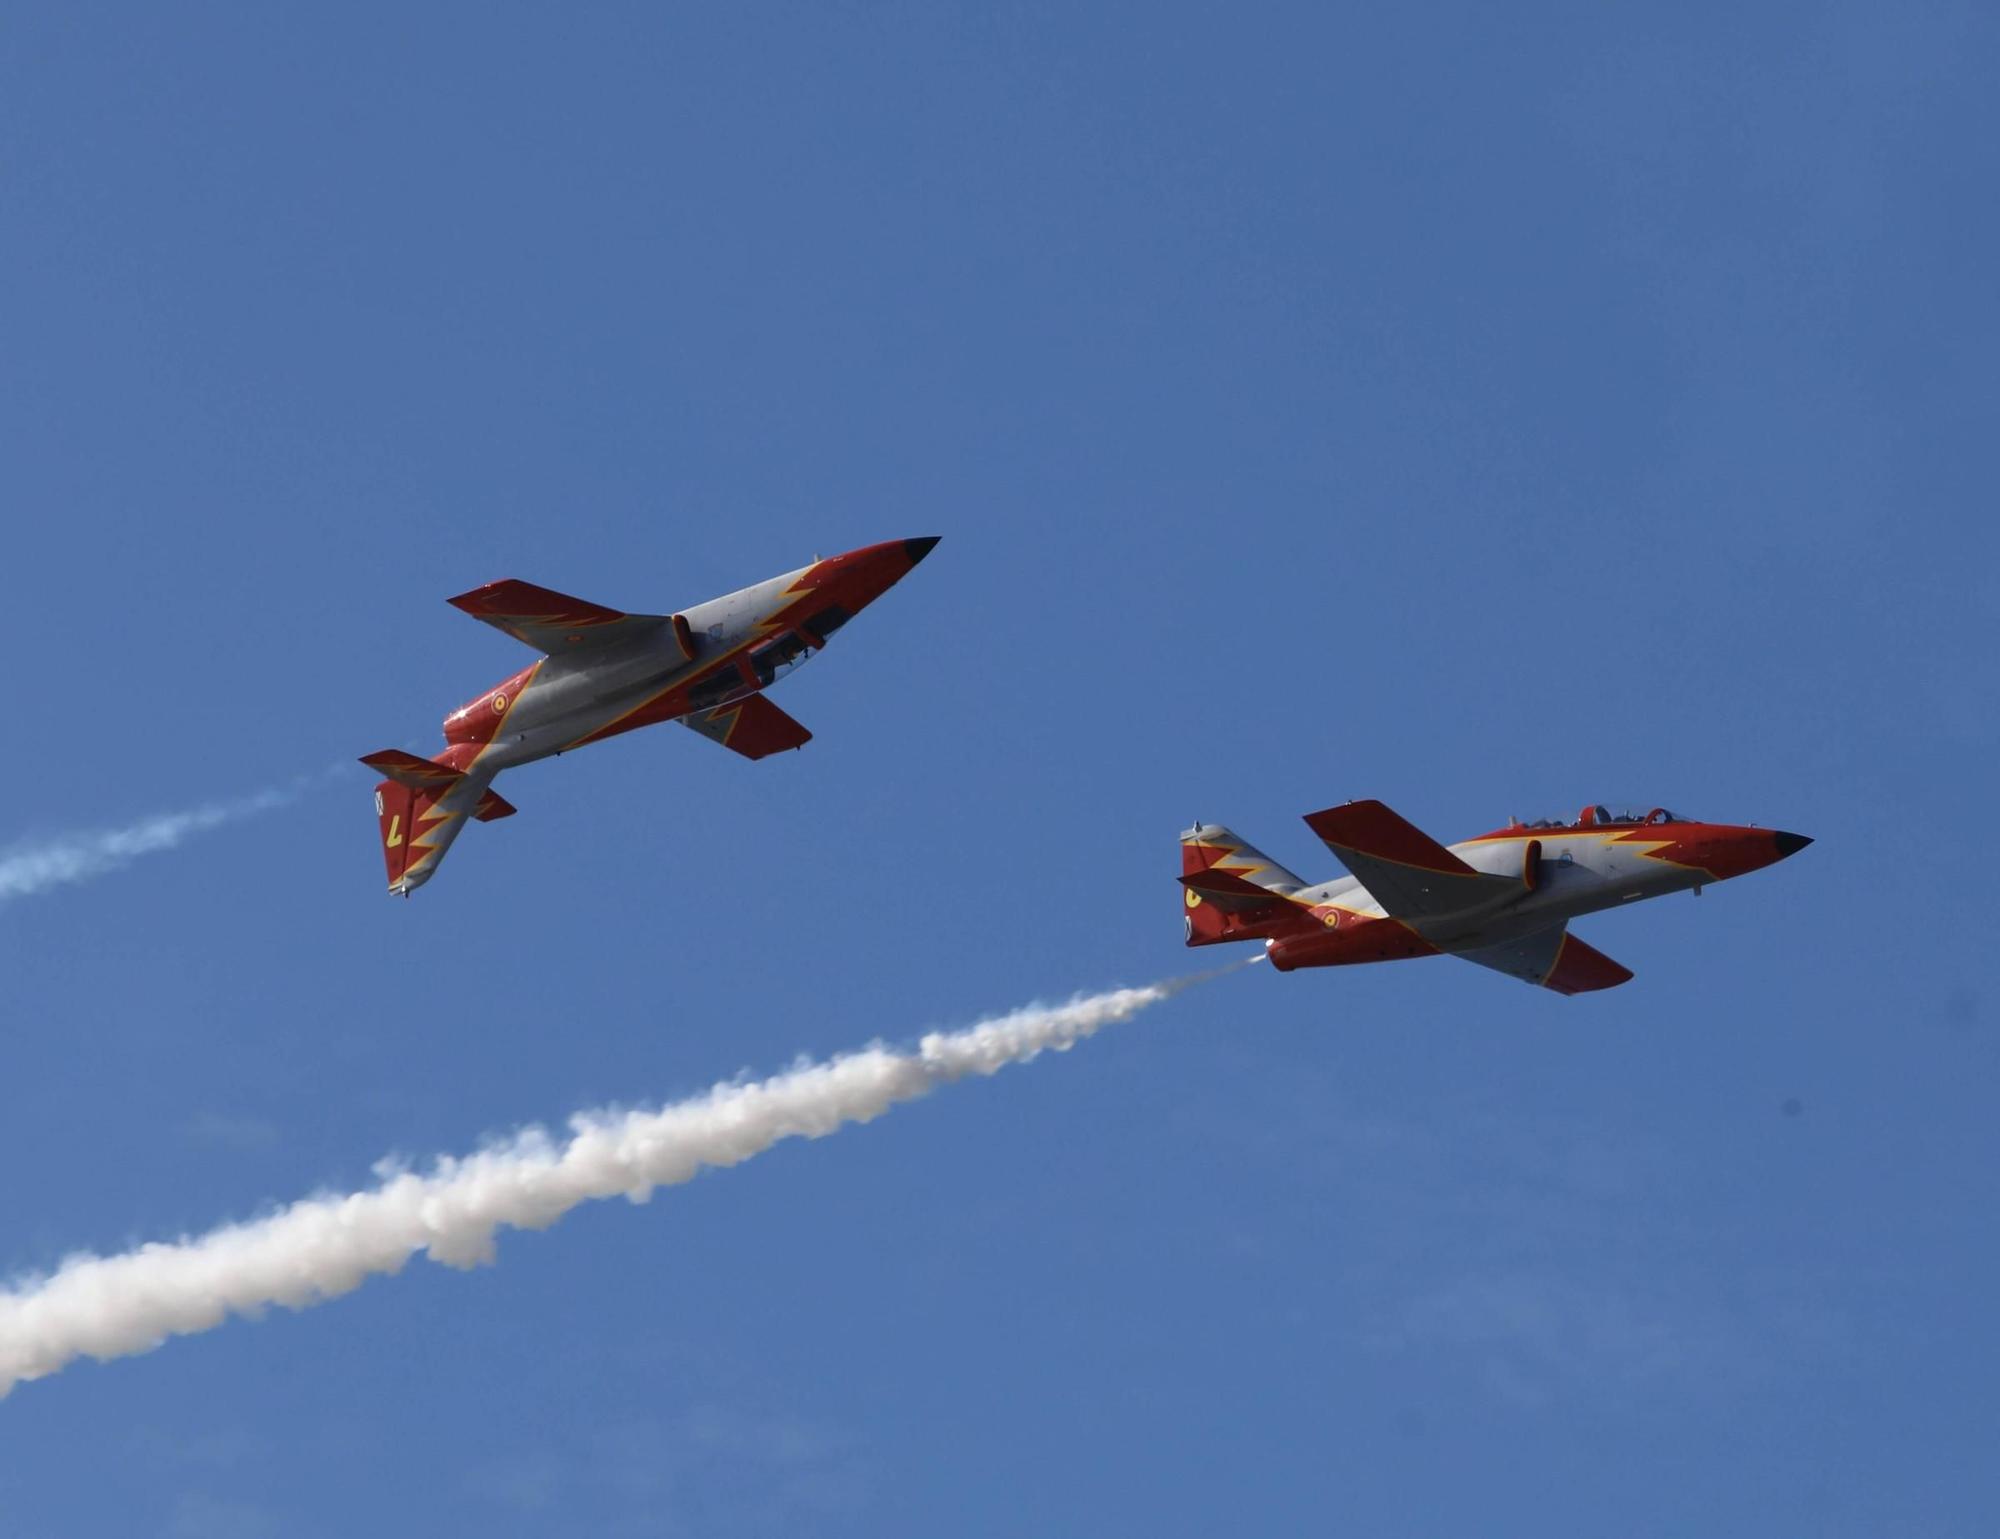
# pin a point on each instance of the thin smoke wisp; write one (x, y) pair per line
(324, 1246)
(35, 865)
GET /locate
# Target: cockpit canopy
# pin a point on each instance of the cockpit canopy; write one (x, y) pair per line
(1597, 815)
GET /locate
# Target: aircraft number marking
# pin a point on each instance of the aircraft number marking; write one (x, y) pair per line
(395, 831)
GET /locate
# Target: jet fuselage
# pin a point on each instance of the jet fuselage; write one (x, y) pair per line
(562, 702)
(1502, 899)
(605, 672)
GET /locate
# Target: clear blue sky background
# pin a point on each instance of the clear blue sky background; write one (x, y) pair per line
(1487, 409)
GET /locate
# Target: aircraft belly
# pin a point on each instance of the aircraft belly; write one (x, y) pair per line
(576, 703)
(1562, 893)
(1568, 893)
(1616, 889)
(572, 728)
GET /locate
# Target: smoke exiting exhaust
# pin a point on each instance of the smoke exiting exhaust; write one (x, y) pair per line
(317, 1249)
(35, 865)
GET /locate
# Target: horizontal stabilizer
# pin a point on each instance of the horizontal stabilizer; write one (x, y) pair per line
(408, 770)
(1404, 869)
(492, 806)
(752, 727)
(1230, 892)
(555, 623)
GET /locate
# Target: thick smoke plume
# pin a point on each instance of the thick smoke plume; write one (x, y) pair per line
(314, 1250)
(35, 865)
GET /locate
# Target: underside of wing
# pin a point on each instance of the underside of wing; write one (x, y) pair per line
(555, 623)
(752, 727)
(1552, 959)
(1404, 869)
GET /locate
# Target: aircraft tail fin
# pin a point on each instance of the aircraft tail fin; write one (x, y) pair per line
(421, 806)
(1231, 890)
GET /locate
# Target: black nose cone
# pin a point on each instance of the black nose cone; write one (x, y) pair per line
(916, 550)
(1790, 844)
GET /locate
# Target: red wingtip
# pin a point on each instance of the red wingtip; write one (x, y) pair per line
(1582, 969)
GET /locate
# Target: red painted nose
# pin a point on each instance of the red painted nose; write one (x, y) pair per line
(1728, 852)
(862, 576)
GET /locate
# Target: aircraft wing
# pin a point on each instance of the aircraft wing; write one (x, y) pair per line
(555, 623)
(1552, 958)
(1404, 869)
(752, 727)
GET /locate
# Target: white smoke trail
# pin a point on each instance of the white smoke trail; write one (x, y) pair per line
(33, 866)
(324, 1246)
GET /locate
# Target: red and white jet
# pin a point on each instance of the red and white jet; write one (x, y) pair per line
(1502, 900)
(603, 672)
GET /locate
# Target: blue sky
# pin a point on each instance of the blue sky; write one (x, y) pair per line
(1486, 412)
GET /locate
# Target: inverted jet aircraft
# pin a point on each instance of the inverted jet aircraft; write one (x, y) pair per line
(1502, 900)
(603, 672)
